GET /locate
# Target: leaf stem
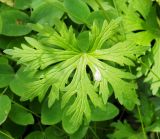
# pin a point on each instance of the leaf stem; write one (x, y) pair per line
(6, 135)
(94, 133)
(142, 125)
(103, 10)
(150, 70)
(121, 25)
(25, 109)
(157, 135)
(4, 91)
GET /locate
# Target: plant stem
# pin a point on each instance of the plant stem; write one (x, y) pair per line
(96, 136)
(142, 125)
(25, 109)
(6, 135)
(157, 135)
(101, 7)
(4, 91)
(150, 70)
(122, 27)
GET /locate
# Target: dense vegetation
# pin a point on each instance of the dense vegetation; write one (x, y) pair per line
(73, 69)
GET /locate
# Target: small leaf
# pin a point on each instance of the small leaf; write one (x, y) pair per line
(20, 116)
(82, 131)
(22, 4)
(6, 74)
(35, 135)
(5, 107)
(78, 11)
(47, 13)
(15, 23)
(5, 135)
(52, 133)
(67, 124)
(18, 84)
(108, 113)
(52, 115)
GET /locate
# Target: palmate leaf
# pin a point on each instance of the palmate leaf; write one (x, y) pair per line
(124, 130)
(65, 71)
(139, 20)
(153, 76)
(141, 25)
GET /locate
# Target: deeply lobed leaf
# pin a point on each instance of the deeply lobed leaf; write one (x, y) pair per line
(79, 78)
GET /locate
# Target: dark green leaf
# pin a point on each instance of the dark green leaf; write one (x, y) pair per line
(78, 11)
(6, 75)
(15, 23)
(5, 107)
(47, 13)
(52, 115)
(20, 116)
(108, 113)
(35, 135)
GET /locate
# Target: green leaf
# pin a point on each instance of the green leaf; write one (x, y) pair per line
(79, 16)
(3, 60)
(153, 76)
(99, 36)
(6, 74)
(82, 131)
(47, 13)
(5, 105)
(52, 115)
(15, 23)
(108, 113)
(4, 41)
(49, 133)
(5, 135)
(35, 135)
(139, 21)
(21, 78)
(20, 116)
(52, 133)
(68, 126)
(154, 127)
(8, 2)
(77, 78)
(22, 4)
(147, 110)
(83, 41)
(9, 126)
(124, 130)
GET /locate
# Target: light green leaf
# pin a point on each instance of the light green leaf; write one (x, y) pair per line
(77, 78)
(154, 75)
(20, 116)
(5, 107)
(139, 21)
(22, 4)
(98, 37)
(8, 2)
(124, 130)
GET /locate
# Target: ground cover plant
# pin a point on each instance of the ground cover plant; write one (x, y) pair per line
(79, 69)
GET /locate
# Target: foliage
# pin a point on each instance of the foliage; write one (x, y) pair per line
(67, 65)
